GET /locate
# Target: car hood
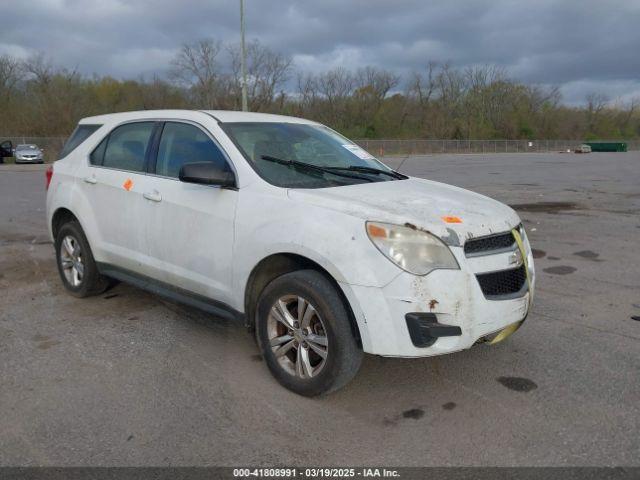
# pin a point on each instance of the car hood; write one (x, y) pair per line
(28, 151)
(417, 203)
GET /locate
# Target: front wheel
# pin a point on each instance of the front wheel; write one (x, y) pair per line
(305, 335)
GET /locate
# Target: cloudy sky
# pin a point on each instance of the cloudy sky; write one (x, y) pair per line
(582, 46)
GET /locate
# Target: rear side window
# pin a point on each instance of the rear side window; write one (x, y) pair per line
(79, 135)
(125, 147)
(182, 143)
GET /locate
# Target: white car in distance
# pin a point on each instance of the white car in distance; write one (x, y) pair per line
(282, 223)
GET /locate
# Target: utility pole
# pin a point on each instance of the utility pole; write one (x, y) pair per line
(243, 59)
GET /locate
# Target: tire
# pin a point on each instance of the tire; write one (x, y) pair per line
(89, 281)
(296, 361)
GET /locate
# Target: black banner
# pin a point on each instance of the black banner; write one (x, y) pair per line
(206, 473)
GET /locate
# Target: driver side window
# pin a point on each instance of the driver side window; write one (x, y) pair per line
(181, 144)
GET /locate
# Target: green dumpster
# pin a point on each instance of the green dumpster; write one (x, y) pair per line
(607, 146)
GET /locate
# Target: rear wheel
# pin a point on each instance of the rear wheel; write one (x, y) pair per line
(76, 265)
(304, 333)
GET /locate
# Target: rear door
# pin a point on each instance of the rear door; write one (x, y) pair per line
(189, 227)
(114, 181)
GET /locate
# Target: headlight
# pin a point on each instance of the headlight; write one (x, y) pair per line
(412, 250)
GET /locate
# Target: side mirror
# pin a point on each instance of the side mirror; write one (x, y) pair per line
(207, 173)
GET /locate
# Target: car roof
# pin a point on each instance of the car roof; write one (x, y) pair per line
(220, 115)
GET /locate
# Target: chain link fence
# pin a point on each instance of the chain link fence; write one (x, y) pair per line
(422, 147)
(52, 146)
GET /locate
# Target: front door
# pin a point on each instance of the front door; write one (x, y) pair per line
(190, 227)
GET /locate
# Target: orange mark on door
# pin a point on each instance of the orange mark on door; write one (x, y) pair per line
(452, 219)
(128, 184)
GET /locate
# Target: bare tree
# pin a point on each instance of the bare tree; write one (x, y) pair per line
(372, 85)
(40, 69)
(308, 95)
(622, 114)
(11, 72)
(267, 71)
(336, 86)
(376, 81)
(157, 94)
(596, 103)
(421, 86)
(196, 67)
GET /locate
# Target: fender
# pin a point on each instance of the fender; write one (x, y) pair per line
(308, 230)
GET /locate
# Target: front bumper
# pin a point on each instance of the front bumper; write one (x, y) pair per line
(454, 299)
(29, 160)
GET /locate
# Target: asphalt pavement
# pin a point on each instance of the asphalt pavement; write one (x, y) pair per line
(127, 378)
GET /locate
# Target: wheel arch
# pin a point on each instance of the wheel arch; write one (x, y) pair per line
(278, 264)
(61, 216)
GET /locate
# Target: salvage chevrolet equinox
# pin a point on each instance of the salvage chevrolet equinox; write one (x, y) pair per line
(320, 249)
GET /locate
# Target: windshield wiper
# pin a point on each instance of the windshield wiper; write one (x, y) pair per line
(379, 171)
(314, 168)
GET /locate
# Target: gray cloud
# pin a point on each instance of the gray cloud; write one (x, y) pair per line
(580, 45)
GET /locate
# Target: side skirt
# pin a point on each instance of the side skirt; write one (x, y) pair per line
(171, 292)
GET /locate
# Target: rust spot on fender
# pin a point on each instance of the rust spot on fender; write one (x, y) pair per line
(433, 303)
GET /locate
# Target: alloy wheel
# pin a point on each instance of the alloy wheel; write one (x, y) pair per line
(71, 260)
(297, 336)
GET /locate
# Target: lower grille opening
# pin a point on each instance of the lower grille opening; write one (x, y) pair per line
(503, 283)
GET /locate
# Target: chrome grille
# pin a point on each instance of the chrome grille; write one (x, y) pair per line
(489, 244)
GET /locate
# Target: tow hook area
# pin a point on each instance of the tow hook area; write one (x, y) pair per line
(501, 335)
(424, 329)
(505, 333)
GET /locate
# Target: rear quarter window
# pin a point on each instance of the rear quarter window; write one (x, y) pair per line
(79, 135)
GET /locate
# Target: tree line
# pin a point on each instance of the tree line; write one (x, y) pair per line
(38, 98)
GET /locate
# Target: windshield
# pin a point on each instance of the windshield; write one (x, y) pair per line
(293, 155)
(27, 147)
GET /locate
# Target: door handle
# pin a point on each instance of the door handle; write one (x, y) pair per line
(153, 196)
(91, 180)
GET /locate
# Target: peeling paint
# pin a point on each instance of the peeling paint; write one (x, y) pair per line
(452, 238)
(411, 226)
(416, 228)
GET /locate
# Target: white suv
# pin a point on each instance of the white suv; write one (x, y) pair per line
(288, 226)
